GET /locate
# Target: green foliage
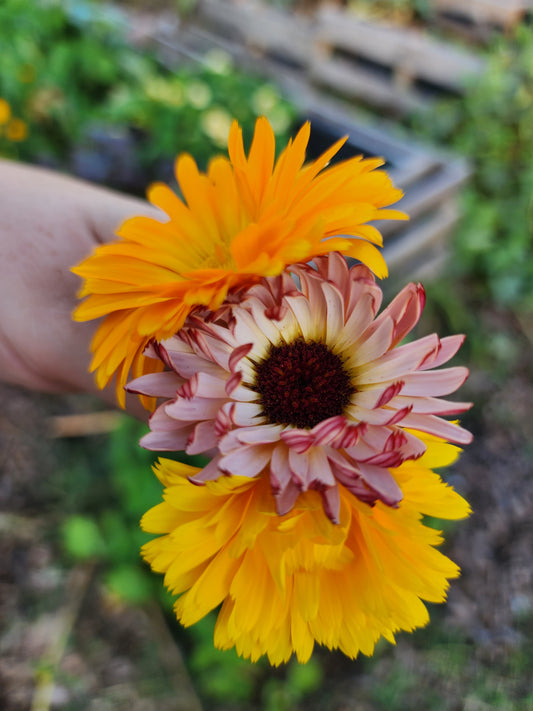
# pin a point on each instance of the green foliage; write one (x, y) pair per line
(98, 107)
(105, 491)
(226, 678)
(444, 670)
(129, 583)
(300, 681)
(82, 538)
(493, 126)
(110, 488)
(192, 108)
(58, 63)
(221, 676)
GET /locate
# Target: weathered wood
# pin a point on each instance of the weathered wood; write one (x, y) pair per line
(495, 14)
(387, 65)
(85, 424)
(411, 51)
(345, 78)
(262, 27)
(422, 250)
(382, 64)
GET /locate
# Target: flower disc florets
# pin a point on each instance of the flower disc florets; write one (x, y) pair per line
(323, 340)
(302, 383)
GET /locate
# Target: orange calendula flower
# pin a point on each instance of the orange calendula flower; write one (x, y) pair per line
(248, 217)
(286, 582)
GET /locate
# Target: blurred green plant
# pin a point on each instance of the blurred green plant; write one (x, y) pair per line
(451, 672)
(94, 105)
(221, 676)
(54, 72)
(192, 109)
(493, 126)
(113, 488)
(299, 682)
(226, 678)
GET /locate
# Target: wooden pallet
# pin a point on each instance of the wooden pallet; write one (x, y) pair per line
(386, 65)
(481, 18)
(397, 68)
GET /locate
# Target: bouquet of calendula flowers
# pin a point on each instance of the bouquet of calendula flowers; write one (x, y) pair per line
(241, 324)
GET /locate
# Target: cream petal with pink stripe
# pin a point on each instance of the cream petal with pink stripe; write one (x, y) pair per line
(304, 381)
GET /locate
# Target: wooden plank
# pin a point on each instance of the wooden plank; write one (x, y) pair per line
(344, 78)
(232, 19)
(500, 13)
(261, 27)
(382, 64)
(409, 53)
(85, 424)
(430, 192)
(421, 252)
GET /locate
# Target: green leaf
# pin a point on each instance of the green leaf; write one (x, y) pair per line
(130, 583)
(82, 538)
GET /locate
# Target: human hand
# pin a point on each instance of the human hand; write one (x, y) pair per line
(48, 223)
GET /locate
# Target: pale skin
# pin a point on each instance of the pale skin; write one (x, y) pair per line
(48, 223)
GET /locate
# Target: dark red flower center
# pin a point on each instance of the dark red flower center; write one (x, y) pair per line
(301, 384)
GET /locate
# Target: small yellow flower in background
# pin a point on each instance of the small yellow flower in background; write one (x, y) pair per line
(286, 582)
(169, 92)
(264, 99)
(46, 102)
(218, 61)
(216, 123)
(198, 94)
(248, 217)
(16, 130)
(5, 111)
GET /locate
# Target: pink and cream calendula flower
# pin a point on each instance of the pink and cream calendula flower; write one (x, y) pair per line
(305, 380)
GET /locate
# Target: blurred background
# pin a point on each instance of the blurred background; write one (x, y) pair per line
(443, 90)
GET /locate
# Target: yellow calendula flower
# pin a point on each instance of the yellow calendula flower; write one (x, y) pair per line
(17, 130)
(248, 217)
(286, 582)
(5, 111)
